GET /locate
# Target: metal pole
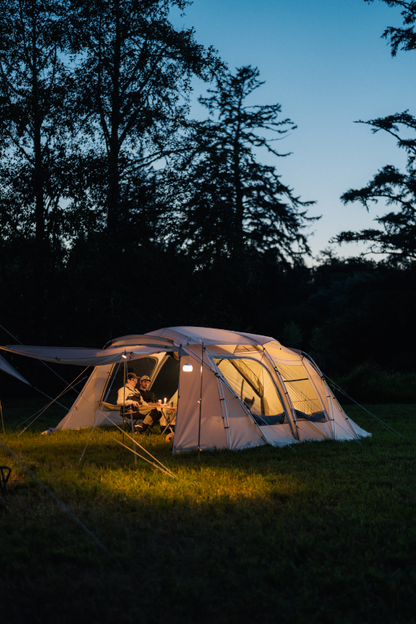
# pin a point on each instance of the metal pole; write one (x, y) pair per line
(200, 408)
(131, 414)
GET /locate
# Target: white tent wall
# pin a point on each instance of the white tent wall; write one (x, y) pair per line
(223, 423)
(85, 411)
(338, 426)
(274, 402)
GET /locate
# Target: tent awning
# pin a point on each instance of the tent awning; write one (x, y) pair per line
(88, 357)
(7, 368)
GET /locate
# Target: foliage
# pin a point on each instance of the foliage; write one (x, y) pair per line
(401, 38)
(396, 237)
(333, 520)
(368, 382)
(35, 128)
(133, 83)
(225, 202)
(357, 311)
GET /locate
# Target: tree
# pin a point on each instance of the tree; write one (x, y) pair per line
(224, 203)
(397, 234)
(34, 125)
(134, 79)
(401, 38)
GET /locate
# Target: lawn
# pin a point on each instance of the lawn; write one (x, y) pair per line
(323, 533)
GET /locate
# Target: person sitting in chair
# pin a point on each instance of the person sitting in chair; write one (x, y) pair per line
(167, 417)
(147, 394)
(130, 396)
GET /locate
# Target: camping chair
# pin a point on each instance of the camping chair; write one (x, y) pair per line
(129, 417)
(5, 474)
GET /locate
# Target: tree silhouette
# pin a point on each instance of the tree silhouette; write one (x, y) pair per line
(224, 203)
(34, 124)
(397, 233)
(134, 79)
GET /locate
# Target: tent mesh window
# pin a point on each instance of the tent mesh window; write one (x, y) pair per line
(252, 383)
(301, 392)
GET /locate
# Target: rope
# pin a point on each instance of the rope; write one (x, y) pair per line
(44, 363)
(336, 387)
(163, 469)
(69, 386)
(63, 507)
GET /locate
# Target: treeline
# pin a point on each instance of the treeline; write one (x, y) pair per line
(121, 214)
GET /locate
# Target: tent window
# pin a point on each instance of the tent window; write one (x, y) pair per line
(253, 384)
(301, 392)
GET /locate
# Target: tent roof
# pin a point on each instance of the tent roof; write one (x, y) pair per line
(134, 346)
(209, 335)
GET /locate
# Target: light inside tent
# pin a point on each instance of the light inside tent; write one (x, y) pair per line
(187, 366)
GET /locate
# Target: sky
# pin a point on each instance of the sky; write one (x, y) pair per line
(325, 62)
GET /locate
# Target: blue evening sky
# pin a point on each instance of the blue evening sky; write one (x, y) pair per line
(324, 61)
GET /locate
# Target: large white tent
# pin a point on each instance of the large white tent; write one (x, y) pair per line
(233, 390)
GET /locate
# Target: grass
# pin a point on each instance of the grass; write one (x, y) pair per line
(325, 534)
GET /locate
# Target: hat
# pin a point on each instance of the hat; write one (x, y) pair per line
(144, 378)
(132, 376)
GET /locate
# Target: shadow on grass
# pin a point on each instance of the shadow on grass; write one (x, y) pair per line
(325, 534)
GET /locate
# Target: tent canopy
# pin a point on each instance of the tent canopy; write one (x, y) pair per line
(233, 390)
(8, 368)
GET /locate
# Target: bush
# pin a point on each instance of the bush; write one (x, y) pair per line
(370, 384)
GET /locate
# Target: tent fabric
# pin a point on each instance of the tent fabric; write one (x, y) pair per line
(89, 357)
(8, 368)
(238, 390)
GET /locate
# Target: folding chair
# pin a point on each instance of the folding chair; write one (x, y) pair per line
(5, 474)
(129, 417)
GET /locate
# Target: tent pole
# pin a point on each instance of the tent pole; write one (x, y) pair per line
(131, 415)
(200, 407)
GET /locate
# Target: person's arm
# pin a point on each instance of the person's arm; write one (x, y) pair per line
(121, 397)
(141, 399)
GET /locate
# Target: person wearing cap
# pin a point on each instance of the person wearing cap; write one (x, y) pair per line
(165, 417)
(129, 395)
(147, 394)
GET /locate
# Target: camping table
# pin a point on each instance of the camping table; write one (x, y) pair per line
(168, 417)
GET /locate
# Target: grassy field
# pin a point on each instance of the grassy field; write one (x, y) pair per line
(325, 534)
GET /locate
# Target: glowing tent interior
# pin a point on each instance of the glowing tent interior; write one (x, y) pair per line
(233, 390)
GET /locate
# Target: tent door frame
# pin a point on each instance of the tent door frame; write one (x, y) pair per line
(223, 403)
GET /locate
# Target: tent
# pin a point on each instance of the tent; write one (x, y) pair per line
(233, 390)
